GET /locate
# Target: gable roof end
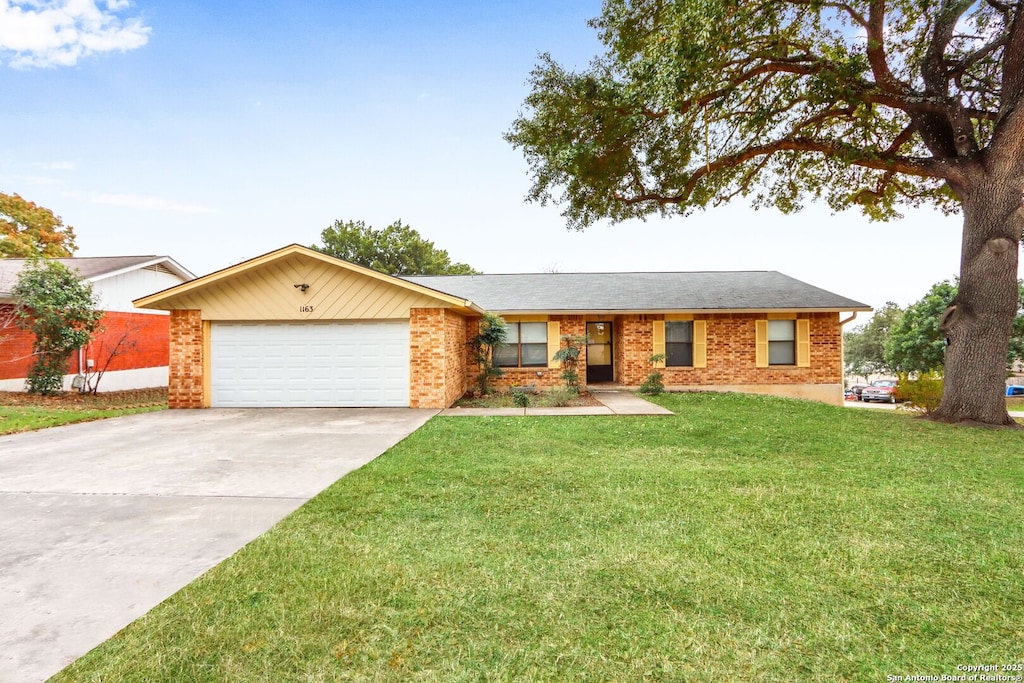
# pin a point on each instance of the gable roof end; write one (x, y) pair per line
(156, 299)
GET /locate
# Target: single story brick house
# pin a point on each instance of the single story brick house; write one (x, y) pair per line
(297, 328)
(140, 360)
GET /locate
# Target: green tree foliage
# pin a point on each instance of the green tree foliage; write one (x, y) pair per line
(396, 250)
(493, 334)
(916, 344)
(876, 105)
(27, 230)
(60, 310)
(864, 346)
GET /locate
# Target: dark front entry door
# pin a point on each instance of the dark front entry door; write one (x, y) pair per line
(599, 352)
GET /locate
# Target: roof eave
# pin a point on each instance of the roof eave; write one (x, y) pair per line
(668, 311)
(167, 261)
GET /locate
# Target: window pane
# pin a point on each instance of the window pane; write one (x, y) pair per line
(678, 354)
(507, 356)
(533, 333)
(512, 338)
(781, 330)
(599, 354)
(781, 353)
(535, 355)
(679, 332)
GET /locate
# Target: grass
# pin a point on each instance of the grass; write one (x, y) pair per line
(21, 412)
(745, 538)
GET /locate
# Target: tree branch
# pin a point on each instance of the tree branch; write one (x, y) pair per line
(924, 168)
(877, 57)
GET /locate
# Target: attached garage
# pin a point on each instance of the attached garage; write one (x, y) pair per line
(296, 328)
(309, 365)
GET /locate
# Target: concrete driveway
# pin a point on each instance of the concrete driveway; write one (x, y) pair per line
(101, 521)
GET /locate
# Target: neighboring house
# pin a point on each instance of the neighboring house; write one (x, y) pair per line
(299, 328)
(141, 358)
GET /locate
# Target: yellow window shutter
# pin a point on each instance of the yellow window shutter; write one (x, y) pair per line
(761, 343)
(658, 336)
(554, 343)
(700, 343)
(803, 343)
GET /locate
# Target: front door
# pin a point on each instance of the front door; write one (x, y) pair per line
(599, 352)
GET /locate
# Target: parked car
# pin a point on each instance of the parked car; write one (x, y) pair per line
(1015, 390)
(880, 390)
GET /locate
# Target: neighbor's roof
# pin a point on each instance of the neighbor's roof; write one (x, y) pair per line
(622, 292)
(93, 268)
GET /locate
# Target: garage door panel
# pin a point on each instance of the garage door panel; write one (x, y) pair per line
(309, 364)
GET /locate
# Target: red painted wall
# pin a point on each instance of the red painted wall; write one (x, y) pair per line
(145, 345)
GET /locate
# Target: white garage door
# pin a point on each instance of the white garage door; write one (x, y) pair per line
(309, 365)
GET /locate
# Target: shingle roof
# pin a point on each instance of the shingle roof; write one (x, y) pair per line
(91, 267)
(697, 291)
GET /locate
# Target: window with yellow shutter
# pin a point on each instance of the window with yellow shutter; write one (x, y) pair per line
(679, 344)
(781, 342)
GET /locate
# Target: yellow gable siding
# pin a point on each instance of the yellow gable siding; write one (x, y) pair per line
(269, 293)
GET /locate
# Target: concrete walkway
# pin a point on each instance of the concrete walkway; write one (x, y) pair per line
(613, 402)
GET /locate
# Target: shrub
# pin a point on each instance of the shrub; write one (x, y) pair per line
(492, 335)
(654, 384)
(560, 398)
(521, 399)
(569, 357)
(922, 394)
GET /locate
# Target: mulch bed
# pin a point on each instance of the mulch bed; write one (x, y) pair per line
(73, 399)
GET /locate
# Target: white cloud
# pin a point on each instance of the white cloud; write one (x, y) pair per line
(47, 33)
(134, 201)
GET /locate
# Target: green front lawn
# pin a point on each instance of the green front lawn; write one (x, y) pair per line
(746, 538)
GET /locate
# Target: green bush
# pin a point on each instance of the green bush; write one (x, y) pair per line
(655, 382)
(922, 394)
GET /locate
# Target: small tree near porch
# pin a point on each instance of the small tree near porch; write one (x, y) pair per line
(868, 104)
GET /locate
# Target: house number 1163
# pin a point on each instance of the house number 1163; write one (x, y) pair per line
(305, 309)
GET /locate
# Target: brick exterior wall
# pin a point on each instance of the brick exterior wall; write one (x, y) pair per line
(442, 368)
(730, 340)
(146, 344)
(186, 360)
(437, 357)
(550, 378)
(731, 362)
(730, 357)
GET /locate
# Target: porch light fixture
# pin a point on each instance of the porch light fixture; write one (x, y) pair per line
(302, 286)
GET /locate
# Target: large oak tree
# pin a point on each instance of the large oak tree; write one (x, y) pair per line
(877, 104)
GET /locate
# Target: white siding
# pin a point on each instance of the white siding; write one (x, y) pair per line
(117, 293)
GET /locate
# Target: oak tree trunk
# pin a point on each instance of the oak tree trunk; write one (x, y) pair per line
(979, 321)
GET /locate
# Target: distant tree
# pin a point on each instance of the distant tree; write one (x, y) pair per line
(60, 310)
(395, 250)
(27, 230)
(864, 346)
(876, 105)
(917, 342)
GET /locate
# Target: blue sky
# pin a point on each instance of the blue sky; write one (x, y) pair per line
(215, 132)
